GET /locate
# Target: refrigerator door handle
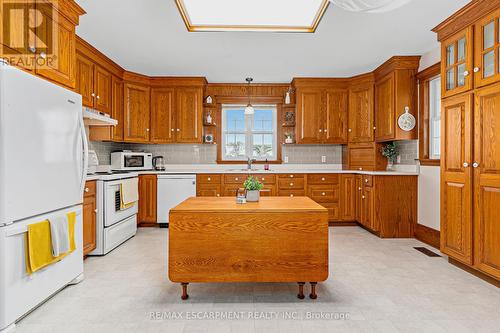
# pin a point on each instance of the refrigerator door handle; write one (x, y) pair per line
(85, 155)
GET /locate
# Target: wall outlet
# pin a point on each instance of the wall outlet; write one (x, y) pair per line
(286, 159)
(398, 159)
(323, 159)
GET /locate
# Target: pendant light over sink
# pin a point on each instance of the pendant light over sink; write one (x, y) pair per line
(249, 110)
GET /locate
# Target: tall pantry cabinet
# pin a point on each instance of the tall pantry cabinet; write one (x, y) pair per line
(470, 137)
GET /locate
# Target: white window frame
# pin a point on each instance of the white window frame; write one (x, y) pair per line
(434, 116)
(249, 132)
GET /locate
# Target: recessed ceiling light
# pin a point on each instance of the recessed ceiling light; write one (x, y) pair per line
(252, 15)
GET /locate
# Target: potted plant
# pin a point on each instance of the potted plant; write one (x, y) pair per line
(252, 187)
(390, 151)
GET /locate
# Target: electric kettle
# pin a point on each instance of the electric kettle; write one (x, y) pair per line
(158, 163)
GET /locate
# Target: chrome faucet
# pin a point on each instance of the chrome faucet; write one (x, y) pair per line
(250, 162)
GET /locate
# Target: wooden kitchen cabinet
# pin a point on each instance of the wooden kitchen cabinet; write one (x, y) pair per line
(366, 156)
(456, 178)
(486, 50)
(89, 217)
(486, 179)
(189, 115)
(208, 185)
(136, 113)
(395, 93)
(117, 108)
(102, 86)
(94, 83)
(361, 122)
(359, 194)
(367, 209)
(162, 115)
(321, 116)
(147, 199)
(348, 197)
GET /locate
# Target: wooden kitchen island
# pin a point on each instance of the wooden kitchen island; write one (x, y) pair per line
(279, 239)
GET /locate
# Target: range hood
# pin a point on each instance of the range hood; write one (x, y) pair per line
(93, 117)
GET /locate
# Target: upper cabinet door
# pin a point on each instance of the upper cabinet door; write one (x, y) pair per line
(457, 65)
(486, 166)
(136, 112)
(189, 112)
(162, 115)
(60, 67)
(335, 130)
(487, 50)
(361, 114)
(117, 107)
(85, 80)
(384, 108)
(309, 115)
(456, 180)
(102, 86)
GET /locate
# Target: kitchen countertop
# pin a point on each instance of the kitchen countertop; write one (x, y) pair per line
(402, 170)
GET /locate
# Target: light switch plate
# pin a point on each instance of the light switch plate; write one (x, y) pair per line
(323, 159)
(286, 159)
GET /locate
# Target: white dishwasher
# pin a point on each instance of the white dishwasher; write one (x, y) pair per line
(172, 190)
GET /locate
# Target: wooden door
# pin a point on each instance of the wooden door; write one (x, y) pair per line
(367, 208)
(456, 178)
(162, 115)
(457, 65)
(487, 181)
(309, 116)
(384, 108)
(348, 197)
(102, 86)
(189, 115)
(147, 199)
(89, 217)
(335, 123)
(117, 107)
(136, 113)
(487, 50)
(361, 114)
(59, 67)
(17, 43)
(84, 84)
(359, 194)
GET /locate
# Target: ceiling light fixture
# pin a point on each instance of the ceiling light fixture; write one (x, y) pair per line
(249, 110)
(369, 6)
(255, 15)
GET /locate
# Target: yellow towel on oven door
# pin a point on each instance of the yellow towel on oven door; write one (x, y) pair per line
(39, 244)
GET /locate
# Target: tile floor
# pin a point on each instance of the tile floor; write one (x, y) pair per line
(374, 286)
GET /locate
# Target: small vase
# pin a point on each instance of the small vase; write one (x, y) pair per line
(253, 196)
(287, 98)
(390, 164)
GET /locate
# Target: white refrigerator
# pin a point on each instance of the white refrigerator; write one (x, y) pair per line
(43, 153)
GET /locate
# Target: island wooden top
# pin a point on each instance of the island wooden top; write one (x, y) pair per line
(265, 205)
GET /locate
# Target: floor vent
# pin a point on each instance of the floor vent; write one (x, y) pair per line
(427, 252)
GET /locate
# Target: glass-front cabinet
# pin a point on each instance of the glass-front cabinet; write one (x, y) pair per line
(457, 71)
(487, 50)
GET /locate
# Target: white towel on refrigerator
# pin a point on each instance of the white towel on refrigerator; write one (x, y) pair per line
(59, 233)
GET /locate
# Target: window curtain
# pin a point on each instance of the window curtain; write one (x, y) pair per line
(369, 6)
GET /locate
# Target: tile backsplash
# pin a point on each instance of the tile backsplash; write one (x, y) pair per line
(207, 154)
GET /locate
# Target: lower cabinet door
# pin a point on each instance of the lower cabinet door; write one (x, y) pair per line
(367, 209)
(89, 218)
(359, 194)
(348, 197)
(147, 199)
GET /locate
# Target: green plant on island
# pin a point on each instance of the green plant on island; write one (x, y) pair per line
(252, 184)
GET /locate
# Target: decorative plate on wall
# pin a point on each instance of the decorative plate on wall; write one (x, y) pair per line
(407, 121)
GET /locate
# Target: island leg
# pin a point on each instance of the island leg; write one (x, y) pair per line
(185, 295)
(300, 295)
(313, 295)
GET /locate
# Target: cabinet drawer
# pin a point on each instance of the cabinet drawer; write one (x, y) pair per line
(367, 180)
(208, 190)
(208, 179)
(230, 190)
(90, 188)
(333, 211)
(291, 193)
(291, 183)
(268, 191)
(235, 179)
(323, 193)
(320, 179)
(266, 179)
(291, 175)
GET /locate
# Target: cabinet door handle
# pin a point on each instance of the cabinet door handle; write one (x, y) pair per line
(291, 184)
(360, 169)
(178, 130)
(466, 73)
(325, 130)
(359, 188)
(291, 195)
(173, 129)
(96, 210)
(466, 165)
(323, 193)
(366, 180)
(476, 69)
(323, 179)
(147, 129)
(362, 197)
(349, 130)
(93, 95)
(236, 179)
(209, 179)
(218, 194)
(475, 165)
(320, 130)
(262, 179)
(87, 189)
(291, 176)
(98, 97)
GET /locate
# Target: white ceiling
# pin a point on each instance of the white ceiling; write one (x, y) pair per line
(149, 37)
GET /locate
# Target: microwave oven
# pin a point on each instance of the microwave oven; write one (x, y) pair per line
(130, 161)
